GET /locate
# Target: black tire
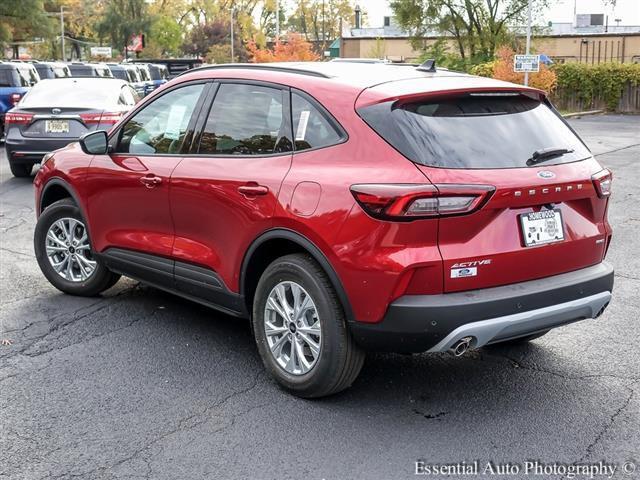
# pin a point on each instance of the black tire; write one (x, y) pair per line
(99, 281)
(519, 341)
(340, 359)
(21, 170)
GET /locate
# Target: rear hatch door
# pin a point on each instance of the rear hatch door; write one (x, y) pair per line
(545, 215)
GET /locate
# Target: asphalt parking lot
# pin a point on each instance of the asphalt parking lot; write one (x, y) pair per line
(140, 384)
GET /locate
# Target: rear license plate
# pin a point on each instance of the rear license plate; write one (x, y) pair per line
(56, 126)
(542, 227)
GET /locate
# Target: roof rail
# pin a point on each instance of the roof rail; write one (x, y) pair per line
(258, 66)
(361, 60)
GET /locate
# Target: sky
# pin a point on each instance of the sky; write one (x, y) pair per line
(560, 10)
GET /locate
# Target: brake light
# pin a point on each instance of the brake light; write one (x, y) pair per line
(602, 182)
(406, 202)
(106, 117)
(111, 118)
(18, 118)
(14, 99)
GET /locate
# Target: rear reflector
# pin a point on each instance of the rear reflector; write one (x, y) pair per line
(17, 118)
(602, 182)
(106, 117)
(402, 202)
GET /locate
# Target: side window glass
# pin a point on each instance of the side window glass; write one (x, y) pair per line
(311, 128)
(246, 120)
(162, 125)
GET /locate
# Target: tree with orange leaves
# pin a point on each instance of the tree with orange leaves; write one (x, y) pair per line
(294, 49)
(545, 79)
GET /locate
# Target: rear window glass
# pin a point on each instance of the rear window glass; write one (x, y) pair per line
(81, 93)
(474, 131)
(43, 71)
(7, 78)
(81, 70)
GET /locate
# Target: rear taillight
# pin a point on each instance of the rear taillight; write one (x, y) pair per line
(95, 118)
(405, 202)
(18, 118)
(602, 182)
(14, 99)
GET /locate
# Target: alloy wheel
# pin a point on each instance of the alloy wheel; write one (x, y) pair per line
(292, 328)
(68, 250)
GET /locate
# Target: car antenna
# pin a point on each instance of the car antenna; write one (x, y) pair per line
(428, 66)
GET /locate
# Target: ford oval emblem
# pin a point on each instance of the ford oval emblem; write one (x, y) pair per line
(56, 111)
(546, 174)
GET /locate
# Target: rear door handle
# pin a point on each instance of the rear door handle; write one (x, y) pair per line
(253, 190)
(150, 181)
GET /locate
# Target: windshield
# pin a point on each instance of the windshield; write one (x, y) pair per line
(83, 93)
(474, 131)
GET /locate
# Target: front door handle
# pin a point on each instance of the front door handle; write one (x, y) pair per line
(150, 181)
(252, 189)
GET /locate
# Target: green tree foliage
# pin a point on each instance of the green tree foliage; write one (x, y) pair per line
(121, 20)
(477, 26)
(604, 80)
(165, 36)
(313, 17)
(22, 20)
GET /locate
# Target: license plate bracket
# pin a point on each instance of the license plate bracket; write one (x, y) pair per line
(56, 126)
(541, 228)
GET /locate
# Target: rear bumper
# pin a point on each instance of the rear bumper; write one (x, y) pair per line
(419, 323)
(31, 150)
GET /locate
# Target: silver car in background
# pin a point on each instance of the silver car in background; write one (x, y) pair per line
(56, 112)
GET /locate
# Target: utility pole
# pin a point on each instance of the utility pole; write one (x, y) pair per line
(62, 31)
(232, 52)
(324, 35)
(526, 74)
(277, 19)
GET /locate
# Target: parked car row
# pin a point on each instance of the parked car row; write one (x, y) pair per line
(17, 77)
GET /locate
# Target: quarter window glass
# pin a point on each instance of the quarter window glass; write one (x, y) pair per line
(311, 128)
(162, 125)
(246, 120)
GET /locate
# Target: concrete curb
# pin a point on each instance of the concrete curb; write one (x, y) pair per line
(582, 114)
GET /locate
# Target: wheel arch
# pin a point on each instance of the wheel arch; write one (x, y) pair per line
(56, 189)
(280, 236)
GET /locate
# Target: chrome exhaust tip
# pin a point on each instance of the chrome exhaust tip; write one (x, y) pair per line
(461, 346)
(601, 311)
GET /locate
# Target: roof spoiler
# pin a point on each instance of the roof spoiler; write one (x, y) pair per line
(428, 66)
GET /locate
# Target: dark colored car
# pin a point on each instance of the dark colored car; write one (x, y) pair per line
(15, 81)
(52, 70)
(175, 66)
(342, 208)
(58, 111)
(80, 69)
(159, 75)
(133, 76)
(118, 71)
(144, 76)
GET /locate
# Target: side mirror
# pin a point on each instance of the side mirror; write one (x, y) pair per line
(94, 143)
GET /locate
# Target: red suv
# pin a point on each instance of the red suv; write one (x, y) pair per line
(342, 207)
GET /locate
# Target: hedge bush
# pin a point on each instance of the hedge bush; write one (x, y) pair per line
(606, 80)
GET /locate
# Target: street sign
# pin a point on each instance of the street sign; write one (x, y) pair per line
(526, 63)
(101, 52)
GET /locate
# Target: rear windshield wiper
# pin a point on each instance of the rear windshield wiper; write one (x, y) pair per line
(545, 154)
